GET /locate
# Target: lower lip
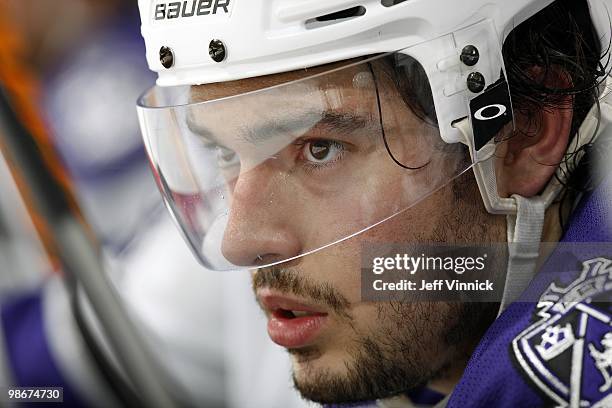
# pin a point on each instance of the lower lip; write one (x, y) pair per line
(296, 332)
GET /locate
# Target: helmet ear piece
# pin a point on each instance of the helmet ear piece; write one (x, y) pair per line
(413, 85)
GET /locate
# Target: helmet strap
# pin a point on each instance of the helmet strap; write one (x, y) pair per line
(524, 237)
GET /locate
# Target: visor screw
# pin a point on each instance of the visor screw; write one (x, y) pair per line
(216, 50)
(470, 55)
(166, 57)
(476, 82)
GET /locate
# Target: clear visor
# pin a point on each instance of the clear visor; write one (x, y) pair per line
(261, 171)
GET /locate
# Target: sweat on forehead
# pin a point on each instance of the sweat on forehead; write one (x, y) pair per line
(207, 92)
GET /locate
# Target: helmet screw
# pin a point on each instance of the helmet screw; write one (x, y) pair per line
(166, 57)
(476, 82)
(216, 50)
(470, 55)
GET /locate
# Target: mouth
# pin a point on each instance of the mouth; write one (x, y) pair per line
(291, 323)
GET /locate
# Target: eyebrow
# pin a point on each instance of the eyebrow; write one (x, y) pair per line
(343, 122)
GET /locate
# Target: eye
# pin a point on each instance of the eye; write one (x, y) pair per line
(322, 151)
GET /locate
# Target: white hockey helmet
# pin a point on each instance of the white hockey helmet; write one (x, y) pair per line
(236, 160)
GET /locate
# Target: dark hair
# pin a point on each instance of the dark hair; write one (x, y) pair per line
(559, 40)
(561, 37)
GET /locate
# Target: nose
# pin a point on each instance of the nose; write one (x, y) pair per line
(259, 229)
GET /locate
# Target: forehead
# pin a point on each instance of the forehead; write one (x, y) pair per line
(342, 77)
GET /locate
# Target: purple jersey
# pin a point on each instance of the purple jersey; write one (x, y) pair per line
(556, 351)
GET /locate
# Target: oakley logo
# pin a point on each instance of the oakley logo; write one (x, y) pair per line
(181, 9)
(490, 112)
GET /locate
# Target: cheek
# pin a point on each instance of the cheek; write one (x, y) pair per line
(418, 224)
(340, 264)
(384, 189)
(337, 267)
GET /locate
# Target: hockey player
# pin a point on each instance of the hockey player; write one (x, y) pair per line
(291, 138)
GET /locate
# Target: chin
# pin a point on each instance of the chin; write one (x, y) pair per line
(332, 377)
(316, 372)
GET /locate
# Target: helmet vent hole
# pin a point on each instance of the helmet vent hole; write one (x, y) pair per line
(336, 17)
(391, 3)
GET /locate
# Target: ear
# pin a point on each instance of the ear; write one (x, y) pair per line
(531, 156)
